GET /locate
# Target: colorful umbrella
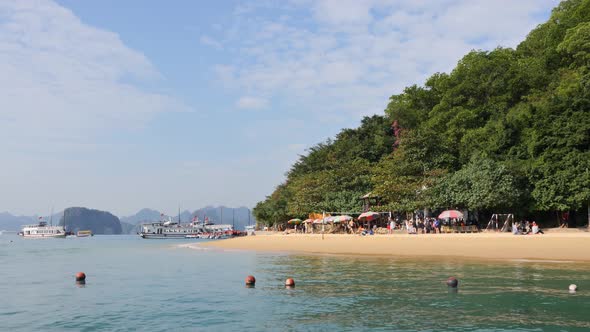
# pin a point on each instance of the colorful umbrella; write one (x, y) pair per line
(368, 216)
(450, 214)
(329, 219)
(295, 221)
(342, 218)
(317, 221)
(307, 221)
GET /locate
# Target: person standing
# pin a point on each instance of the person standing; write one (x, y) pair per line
(391, 226)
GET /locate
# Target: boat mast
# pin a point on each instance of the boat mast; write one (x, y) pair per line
(178, 214)
(51, 217)
(221, 209)
(233, 220)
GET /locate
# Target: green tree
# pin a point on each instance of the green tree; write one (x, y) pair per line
(481, 185)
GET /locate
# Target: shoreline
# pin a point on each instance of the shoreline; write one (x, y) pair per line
(552, 247)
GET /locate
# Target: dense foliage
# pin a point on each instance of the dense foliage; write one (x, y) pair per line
(506, 130)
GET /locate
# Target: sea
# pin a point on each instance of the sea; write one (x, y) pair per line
(134, 284)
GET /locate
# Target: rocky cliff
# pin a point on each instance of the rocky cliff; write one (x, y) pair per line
(99, 222)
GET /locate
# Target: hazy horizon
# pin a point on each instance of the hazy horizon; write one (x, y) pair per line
(121, 106)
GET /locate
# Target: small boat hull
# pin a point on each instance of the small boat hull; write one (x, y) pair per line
(42, 236)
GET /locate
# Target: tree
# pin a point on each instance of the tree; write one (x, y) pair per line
(480, 185)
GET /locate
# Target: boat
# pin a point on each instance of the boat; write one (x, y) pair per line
(42, 230)
(84, 233)
(175, 230)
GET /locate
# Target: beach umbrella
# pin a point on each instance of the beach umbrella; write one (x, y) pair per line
(329, 219)
(307, 221)
(342, 218)
(368, 216)
(295, 221)
(450, 214)
(317, 221)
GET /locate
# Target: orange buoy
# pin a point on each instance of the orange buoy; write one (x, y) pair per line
(250, 280)
(80, 276)
(452, 282)
(290, 282)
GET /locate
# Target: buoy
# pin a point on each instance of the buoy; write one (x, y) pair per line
(452, 282)
(573, 288)
(290, 282)
(250, 281)
(80, 276)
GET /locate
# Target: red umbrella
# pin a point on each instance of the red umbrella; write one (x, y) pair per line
(450, 214)
(368, 216)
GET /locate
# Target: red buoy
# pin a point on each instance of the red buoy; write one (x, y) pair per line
(290, 282)
(452, 282)
(80, 276)
(250, 280)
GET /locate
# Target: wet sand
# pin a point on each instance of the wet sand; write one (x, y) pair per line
(558, 246)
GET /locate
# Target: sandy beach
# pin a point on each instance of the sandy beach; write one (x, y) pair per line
(552, 246)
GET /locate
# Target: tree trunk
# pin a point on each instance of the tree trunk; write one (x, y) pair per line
(588, 214)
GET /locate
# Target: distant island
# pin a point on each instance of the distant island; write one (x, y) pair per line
(104, 222)
(99, 222)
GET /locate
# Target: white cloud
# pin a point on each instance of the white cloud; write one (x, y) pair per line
(247, 102)
(64, 80)
(342, 11)
(206, 40)
(341, 59)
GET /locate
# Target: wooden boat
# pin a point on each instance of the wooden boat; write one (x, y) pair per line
(84, 233)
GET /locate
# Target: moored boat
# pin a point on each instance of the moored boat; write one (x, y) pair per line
(84, 233)
(42, 230)
(175, 230)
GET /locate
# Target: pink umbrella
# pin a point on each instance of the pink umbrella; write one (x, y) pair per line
(450, 214)
(368, 216)
(342, 218)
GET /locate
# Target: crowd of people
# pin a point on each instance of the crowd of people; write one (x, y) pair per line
(420, 225)
(526, 227)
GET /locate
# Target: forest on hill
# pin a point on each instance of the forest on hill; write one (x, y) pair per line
(506, 131)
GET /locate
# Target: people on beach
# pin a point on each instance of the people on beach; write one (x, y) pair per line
(536, 229)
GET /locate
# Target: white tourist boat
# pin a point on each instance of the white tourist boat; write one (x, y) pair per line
(42, 230)
(175, 230)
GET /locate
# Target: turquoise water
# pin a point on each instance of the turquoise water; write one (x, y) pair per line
(154, 285)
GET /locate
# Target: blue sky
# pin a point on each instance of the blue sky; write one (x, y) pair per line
(120, 105)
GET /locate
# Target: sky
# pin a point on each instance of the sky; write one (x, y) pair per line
(121, 105)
